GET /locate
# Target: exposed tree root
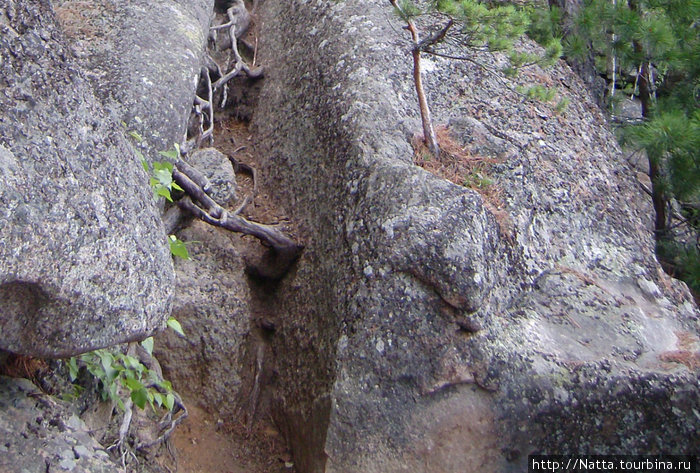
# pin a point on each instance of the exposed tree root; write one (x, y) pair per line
(197, 202)
(201, 205)
(168, 422)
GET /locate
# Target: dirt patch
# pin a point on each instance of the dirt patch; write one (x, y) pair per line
(233, 138)
(459, 166)
(205, 444)
(250, 442)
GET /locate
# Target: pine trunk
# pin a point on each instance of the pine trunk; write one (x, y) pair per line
(428, 130)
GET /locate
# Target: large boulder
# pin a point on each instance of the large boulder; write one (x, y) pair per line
(143, 58)
(83, 258)
(424, 331)
(85, 262)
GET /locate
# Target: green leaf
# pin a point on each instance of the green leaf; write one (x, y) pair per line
(133, 363)
(147, 344)
(136, 136)
(172, 154)
(113, 392)
(96, 371)
(133, 384)
(163, 192)
(73, 369)
(166, 385)
(140, 397)
(164, 166)
(169, 401)
(178, 248)
(144, 164)
(106, 359)
(163, 175)
(158, 398)
(175, 325)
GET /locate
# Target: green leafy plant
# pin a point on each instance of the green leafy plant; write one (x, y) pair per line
(538, 92)
(175, 326)
(162, 181)
(116, 371)
(178, 247)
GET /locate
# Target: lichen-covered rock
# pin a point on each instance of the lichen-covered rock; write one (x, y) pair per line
(83, 259)
(422, 332)
(143, 58)
(40, 434)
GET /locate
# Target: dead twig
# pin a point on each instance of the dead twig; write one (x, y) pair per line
(240, 63)
(209, 103)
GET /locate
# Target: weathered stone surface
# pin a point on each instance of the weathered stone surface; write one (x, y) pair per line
(584, 345)
(212, 302)
(218, 169)
(83, 262)
(143, 58)
(40, 434)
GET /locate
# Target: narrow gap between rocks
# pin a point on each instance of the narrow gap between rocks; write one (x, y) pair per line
(251, 443)
(210, 441)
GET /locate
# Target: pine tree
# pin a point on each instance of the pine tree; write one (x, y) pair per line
(656, 46)
(469, 25)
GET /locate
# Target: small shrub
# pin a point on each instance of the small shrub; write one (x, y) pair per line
(116, 371)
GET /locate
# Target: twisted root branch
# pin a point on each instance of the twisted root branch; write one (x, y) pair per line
(202, 206)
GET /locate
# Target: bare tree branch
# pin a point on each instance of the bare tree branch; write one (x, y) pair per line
(285, 249)
(435, 38)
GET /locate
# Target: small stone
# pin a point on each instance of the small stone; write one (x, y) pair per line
(218, 169)
(67, 464)
(81, 451)
(66, 454)
(380, 346)
(75, 423)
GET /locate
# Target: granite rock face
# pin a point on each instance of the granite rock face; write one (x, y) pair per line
(41, 434)
(83, 261)
(422, 331)
(143, 59)
(212, 302)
